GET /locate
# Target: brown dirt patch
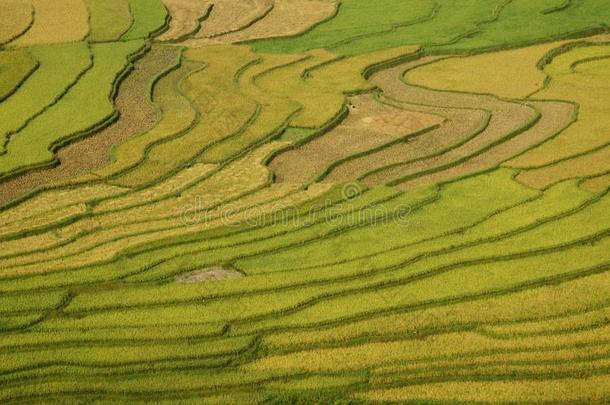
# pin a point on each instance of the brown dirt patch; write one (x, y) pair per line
(369, 124)
(231, 15)
(506, 118)
(288, 17)
(137, 115)
(185, 15)
(555, 116)
(211, 274)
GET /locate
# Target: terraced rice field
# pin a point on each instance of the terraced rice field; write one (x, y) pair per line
(304, 201)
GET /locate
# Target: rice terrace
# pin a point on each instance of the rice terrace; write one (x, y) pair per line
(304, 201)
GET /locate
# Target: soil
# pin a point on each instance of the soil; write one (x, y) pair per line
(210, 274)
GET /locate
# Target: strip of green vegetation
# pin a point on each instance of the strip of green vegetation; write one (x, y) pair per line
(88, 104)
(149, 17)
(443, 25)
(109, 19)
(15, 67)
(60, 67)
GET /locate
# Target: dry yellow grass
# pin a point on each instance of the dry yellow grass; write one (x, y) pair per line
(337, 359)
(370, 124)
(185, 14)
(288, 18)
(512, 73)
(597, 184)
(592, 164)
(66, 21)
(592, 389)
(15, 18)
(587, 84)
(231, 15)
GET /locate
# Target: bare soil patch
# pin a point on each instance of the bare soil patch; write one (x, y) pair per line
(137, 115)
(210, 274)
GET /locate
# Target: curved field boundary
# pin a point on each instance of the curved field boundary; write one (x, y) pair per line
(559, 7)
(186, 18)
(134, 115)
(479, 314)
(589, 165)
(177, 116)
(53, 23)
(351, 19)
(576, 200)
(362, 224)
(459, 126)
(16, 68)
(421, 19)
(275, 111)
(369, 125)
(230, 16)
(49, 131)
(60, 68)
(490, 73)
(286, 18)
(150, 18)
(499, 129)
(555, 117)
(17, 18)
(173, 154)
(109, 20)
(583, 137)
